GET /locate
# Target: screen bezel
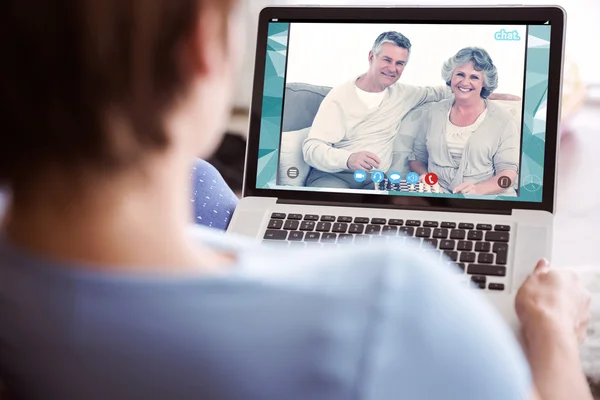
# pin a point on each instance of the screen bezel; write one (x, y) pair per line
(463, 15)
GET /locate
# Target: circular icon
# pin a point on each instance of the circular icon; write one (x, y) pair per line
(293, 172)
(395, 177)
(504, 182)
(360, 176)
(377, 176)
(532, 183)
(412, 178)
(431, 179)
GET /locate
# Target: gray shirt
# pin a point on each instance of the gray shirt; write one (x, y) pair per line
(493, 147)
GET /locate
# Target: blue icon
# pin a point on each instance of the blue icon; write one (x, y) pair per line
(377, 176)
(395, 177)
(412, 178)
(502, 34)
(360, 176)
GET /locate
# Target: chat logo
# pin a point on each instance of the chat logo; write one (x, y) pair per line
(502, 34)
(360, 176)
(395, 177)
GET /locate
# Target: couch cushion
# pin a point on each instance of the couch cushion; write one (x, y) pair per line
(301, 104)
(290, 155)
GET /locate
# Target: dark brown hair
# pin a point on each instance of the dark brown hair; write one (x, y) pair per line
(72, 65)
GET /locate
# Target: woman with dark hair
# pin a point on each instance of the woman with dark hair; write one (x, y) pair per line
(107, 292)
(470, 143)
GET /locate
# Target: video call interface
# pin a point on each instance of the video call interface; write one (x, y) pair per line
(403, 109)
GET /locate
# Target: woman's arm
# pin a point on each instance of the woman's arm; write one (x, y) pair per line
(553, 307)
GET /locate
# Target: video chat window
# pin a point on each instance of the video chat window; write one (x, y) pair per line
(403, 108)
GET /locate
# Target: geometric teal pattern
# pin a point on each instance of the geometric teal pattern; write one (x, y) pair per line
(272, 105)
(534, 115)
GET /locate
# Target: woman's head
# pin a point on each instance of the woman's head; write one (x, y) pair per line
(470, 73)
(99, 86)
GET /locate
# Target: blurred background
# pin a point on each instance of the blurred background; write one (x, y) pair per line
(581, 87)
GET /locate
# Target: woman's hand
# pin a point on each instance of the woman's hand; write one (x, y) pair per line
(553, 300)
(467, 188)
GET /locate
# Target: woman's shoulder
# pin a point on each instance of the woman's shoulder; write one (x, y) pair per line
(504, 109)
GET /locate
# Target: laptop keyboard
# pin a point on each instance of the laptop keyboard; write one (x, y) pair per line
(479, 250)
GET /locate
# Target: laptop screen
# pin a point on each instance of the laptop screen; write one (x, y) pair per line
(430, 109)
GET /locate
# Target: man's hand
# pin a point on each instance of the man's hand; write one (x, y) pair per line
(363, 160)
(467, 188)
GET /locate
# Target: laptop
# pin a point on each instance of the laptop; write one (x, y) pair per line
(439, 124)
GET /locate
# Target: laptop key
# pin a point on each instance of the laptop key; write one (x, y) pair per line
(275, 235)
(430, 224)
(356, 228)
(430, 243)
(329, 237)
(449, 225)
(296, 236)
(344, 219)
(328, 218)
(440, 233)
(464, 225)
(396, 222)
(361, 220)
(504, 228)
(497, 237)
(447, 244)
(323, 227)
(291, 225)
(311, 217)
(339, 227)
(458, 234)
(484, 227)
(389, 230)
(483, 269)
(423, 232)
(345, 238)
(475, 235)
(275, 224)
(373, 230)
(467, 257)
(378, 221)
(483, 247)
(408, 230)
(463, 245)
(297, 244)
(307, 226)
(479, 281)
(312, 237)
(485, 258)
(295, 216)
(501, 250)
(452, 255)
(278, 216)
(413, 222)
(496, 286)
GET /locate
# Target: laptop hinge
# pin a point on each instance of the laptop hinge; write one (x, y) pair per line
(395, 207)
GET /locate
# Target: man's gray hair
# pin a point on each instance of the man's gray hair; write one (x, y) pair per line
(395, 38)
(481, 62)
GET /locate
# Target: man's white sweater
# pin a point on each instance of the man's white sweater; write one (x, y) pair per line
(345, 125)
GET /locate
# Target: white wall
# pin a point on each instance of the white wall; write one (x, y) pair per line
(330, 54)
(583, 31)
